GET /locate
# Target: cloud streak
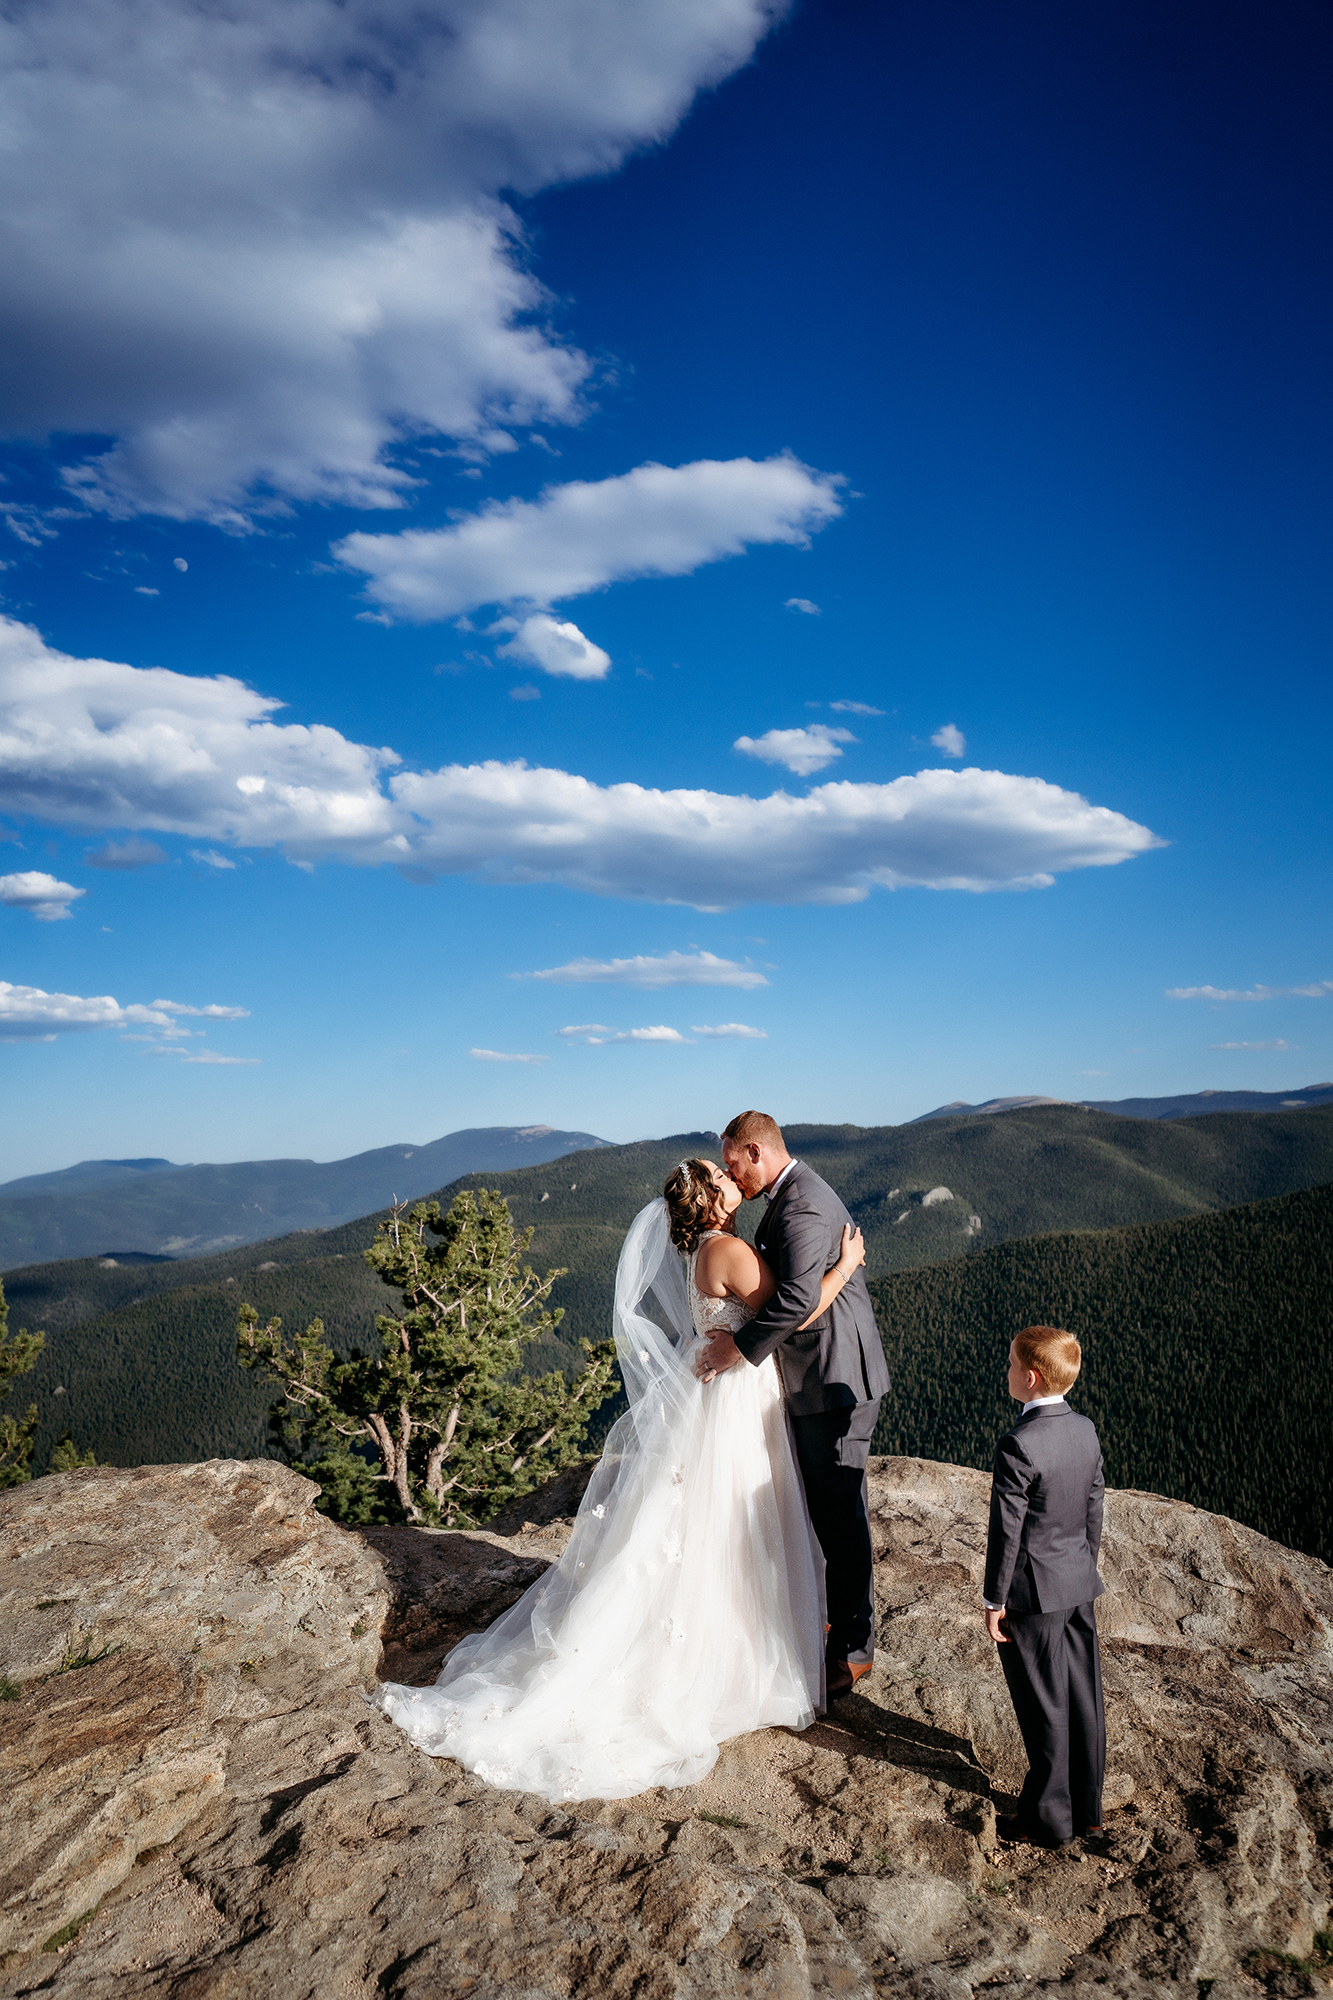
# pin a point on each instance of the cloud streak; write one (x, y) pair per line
(30, 1013)
(1318, 990)
(128, 855)
(100, 746)
(659, 520)
(670, 968)
(731, 1031)
(596, 1038)
(496, 1055)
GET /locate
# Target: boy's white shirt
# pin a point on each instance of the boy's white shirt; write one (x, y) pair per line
(1035, 1404)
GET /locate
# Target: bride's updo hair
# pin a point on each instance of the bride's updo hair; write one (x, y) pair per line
(691, 1199)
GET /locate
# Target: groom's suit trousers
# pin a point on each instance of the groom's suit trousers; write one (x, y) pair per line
(1054, 1670)
(832, 1447)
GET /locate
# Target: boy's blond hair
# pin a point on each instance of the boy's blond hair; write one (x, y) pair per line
(1054, 1355)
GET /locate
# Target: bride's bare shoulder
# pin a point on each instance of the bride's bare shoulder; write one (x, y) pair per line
(723, 1263)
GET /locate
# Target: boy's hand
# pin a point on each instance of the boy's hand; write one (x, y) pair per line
(994, 1628)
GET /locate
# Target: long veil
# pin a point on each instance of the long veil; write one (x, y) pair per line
(643, 1448)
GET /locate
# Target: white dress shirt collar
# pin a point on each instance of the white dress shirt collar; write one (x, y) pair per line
(1037, 1402)
(773, 1187)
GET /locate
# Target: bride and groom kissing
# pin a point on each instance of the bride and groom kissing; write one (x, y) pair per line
(719, 1574)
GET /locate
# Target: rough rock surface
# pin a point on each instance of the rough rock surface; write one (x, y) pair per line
(191, 1768)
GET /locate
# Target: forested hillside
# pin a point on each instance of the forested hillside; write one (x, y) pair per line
(1208, 1364)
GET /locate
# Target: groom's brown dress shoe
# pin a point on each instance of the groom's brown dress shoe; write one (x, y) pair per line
(1011, 1828)
(842, 1677)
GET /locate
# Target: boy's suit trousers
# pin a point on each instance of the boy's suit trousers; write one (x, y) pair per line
(1054, 1672)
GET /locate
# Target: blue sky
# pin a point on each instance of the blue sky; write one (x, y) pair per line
(997, 339)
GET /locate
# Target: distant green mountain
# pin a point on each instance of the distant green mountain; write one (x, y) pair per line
(143, 1351)
(1208, 1364)
(104, 1206)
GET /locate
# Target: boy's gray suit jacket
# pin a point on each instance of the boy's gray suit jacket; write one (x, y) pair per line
(839, 1361)
(1045, 1513)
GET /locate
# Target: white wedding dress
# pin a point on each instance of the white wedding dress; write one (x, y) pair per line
(688, 1606)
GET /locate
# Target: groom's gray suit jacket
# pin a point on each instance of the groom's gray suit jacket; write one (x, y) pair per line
(839, 1360)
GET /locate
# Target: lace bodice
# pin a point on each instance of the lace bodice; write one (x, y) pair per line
(710, 1316)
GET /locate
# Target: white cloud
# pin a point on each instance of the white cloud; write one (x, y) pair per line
(212, 1013)
(582, 1031)
(232, 1062)
(1289, 1047)
(525, 694)
(29, 1012)
(129, 855)
(557, 647)
(732, 1031)
(800, 750)
(803, 604)
(101, 746)
(260, 244)
(659, 520)
(854, 708)
(146, 590)
(47, 898)
(606, 1036)
(950, 740)
(210, 857)
(494, 1055)
(670, 968)
(180, 563)
(1317, 991)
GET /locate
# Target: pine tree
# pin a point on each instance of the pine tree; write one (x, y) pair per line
(66, 1456)
(18, 1355)
(443, 1417)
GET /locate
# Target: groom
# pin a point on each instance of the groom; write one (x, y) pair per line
(833, 1374)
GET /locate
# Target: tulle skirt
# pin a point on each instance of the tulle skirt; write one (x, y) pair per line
(687, 1609)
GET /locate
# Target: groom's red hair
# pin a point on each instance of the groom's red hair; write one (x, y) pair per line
(755, 1128)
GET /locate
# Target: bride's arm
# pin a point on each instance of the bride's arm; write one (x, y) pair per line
(744, 1275)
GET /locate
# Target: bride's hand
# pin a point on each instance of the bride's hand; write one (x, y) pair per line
(853, 1252)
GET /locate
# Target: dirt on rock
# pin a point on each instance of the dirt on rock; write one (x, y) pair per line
(200, 1801)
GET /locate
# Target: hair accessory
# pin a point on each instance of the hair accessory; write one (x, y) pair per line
(683, 1167)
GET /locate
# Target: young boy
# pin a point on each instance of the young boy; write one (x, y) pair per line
(1041, 1583)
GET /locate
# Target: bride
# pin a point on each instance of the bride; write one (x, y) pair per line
(688, 1606)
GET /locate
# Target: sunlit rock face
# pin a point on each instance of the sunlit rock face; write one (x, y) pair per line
(190, 1758)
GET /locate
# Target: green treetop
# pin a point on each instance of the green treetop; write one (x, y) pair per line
(18, 1354)
(455, 1427)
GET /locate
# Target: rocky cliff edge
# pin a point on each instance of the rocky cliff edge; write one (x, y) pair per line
(199, 1802)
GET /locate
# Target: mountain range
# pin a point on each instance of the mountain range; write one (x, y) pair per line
(118, 1207)
(157, 1207)
(140, 1355)
(1198, 1104)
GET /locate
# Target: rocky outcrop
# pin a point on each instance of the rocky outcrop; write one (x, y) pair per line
(201, 1803)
